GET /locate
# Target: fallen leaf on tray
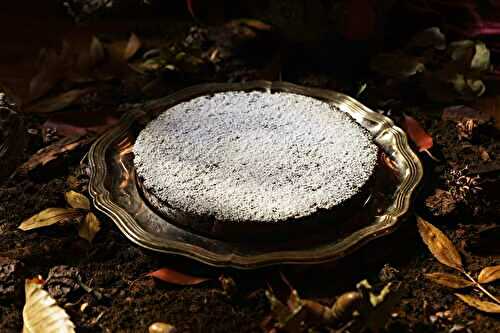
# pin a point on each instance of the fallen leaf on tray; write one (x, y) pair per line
(77, 200)
(49, 153)
(41, 314)
(489, 274)
(89, 227)
(481, 305)
(449, 280)
(174, 277)
(49, 217)
(397, 65)
(440, 246)
(418, 135)
(56, 103)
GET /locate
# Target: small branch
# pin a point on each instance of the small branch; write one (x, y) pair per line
(480, 287)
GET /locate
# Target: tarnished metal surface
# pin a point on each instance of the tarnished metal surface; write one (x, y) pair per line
(116, 193)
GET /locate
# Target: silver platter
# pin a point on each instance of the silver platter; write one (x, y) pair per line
(116, 193)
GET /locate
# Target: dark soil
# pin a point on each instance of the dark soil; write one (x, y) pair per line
(123, 299)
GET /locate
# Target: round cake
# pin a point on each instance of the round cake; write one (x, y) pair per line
(236, 165)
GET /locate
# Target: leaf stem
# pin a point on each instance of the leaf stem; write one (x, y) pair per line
(480, 287)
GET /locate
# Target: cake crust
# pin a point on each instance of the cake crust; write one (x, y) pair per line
(220, 162)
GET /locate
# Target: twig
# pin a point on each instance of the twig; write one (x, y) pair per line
(480, 287)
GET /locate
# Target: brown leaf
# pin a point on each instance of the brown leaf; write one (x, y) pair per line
(96, 51)
(47, 154)
(58, 102)
(440, 246)
(449, 280)
(50, 73)
(491, 106)
(489, 274)
(41, 312)
(481, 305)
(77, 200)
(133, 45)
(417, 133)
(174, 277)
(458, 113)
(397, 64)
(80, 122)
(89, 227)
(49, 217)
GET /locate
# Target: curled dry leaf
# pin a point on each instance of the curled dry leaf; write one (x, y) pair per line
(449, 280)
(481, 305)
(174, 277)
(89, 227)
(56, 103)
(77, 200)
(50, 153)
(417, 133)
(489, 274)
(41, 314)
(49, 217)
(440, 246)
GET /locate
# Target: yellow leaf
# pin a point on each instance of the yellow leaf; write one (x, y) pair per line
(41, 314)
(440, 246)
(77, 200)
(449, 280)
(89, 227)
(489, 274)
(49, 217)
(484, 306)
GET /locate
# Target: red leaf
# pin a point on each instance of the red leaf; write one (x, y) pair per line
(417, 134)
(174, 277)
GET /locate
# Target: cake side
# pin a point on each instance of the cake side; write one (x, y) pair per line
(253, 158)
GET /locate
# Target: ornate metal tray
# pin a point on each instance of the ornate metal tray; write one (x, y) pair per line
(115, 191)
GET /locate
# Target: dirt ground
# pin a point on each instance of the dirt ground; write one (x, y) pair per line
(123, 299)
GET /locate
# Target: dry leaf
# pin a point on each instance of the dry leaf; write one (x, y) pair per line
(133, 45)
(56, 103)
(49, 153)
(50, 73)
(491, 106)
(489, 274)
(432, 37)
(458, 113)
(96, 51)
(41, 314)
(449, 280)
(77, 200)
(417, 134)
(80, 123)
(397, 65)
(440, 246)
(89, 227)
(49, 217)
(475, 302)
(174, 277)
